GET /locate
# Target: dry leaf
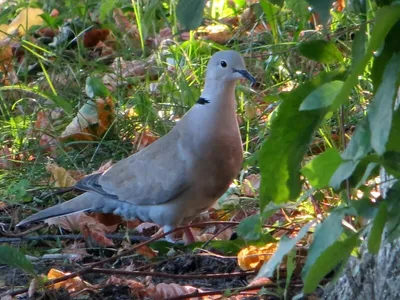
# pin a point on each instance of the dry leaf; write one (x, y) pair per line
(124, 25)
(8, 75)
(147, 251)
(5, 158)
(42, 124)
(253, 257)
(3, 31)
(137, 289)
(92, 37)
(219, 33)
(145, 138)
(60, 176)
(26, 18)
(33, 286)
(96, 231)
(69, 222)
(71, 285)
(164, 290)
(251, 185)
(91, 122)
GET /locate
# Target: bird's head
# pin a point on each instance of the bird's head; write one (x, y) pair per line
(227, 66)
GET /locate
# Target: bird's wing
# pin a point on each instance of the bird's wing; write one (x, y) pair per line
(154, 175)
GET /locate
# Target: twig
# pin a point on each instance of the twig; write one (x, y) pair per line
(118, 236)
(174, 276)
(22, 234)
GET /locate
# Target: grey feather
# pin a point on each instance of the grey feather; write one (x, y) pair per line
(184, 172)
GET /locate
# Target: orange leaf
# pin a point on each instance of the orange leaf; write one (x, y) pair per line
(71, 285)
(147, 251)
(253, 257)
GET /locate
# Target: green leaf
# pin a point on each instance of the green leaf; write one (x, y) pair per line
(250, 228)
(322, 7)
(271, 13)
(15, 259)
(371, 166)
(344, 171)
(381, 109)
(283, 150)
(285, 245)
(375, 235)
(95, 88)
(106, 7)
(359, 145)
(390, 47)
(364, 207)
(320, 170)
(322, 96)
(391, 163)
(299, 8)
(357, 149)
(321, 51)
(359, 45)
(335, 254)
(385, 18)
(325, 235)
(60, 102)
(393, 143)
(190, 13)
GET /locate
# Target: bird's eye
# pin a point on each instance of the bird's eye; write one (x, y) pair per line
(223, 64)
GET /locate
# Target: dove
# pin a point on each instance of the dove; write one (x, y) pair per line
(181, 174)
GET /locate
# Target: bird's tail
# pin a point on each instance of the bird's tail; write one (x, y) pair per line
(84, 202)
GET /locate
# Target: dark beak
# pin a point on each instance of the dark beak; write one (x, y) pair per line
(246, 75)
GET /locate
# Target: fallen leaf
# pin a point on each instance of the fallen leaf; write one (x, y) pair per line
(69, 222)
(6, 158)
(146, 251)
(125, 26)
(92, 37)
(164, 290)
(218, 33)
(42, 125)
(253, 257)
(91, 122)
(145, 138)
(92, 229)
(71, 285)
(59, 176)
(26, 18)
(251, 185)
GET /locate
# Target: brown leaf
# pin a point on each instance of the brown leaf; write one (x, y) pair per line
(6, 158)
(96, 231)
(219, 33)
(69, 222)
(251, 185)
(144, 139)
(137, 289)
(164, 290)
(124, 25)
(6, 69)
(92, 37)
(42, 124)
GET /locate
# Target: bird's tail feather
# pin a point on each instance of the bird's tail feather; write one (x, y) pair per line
(84, 202)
